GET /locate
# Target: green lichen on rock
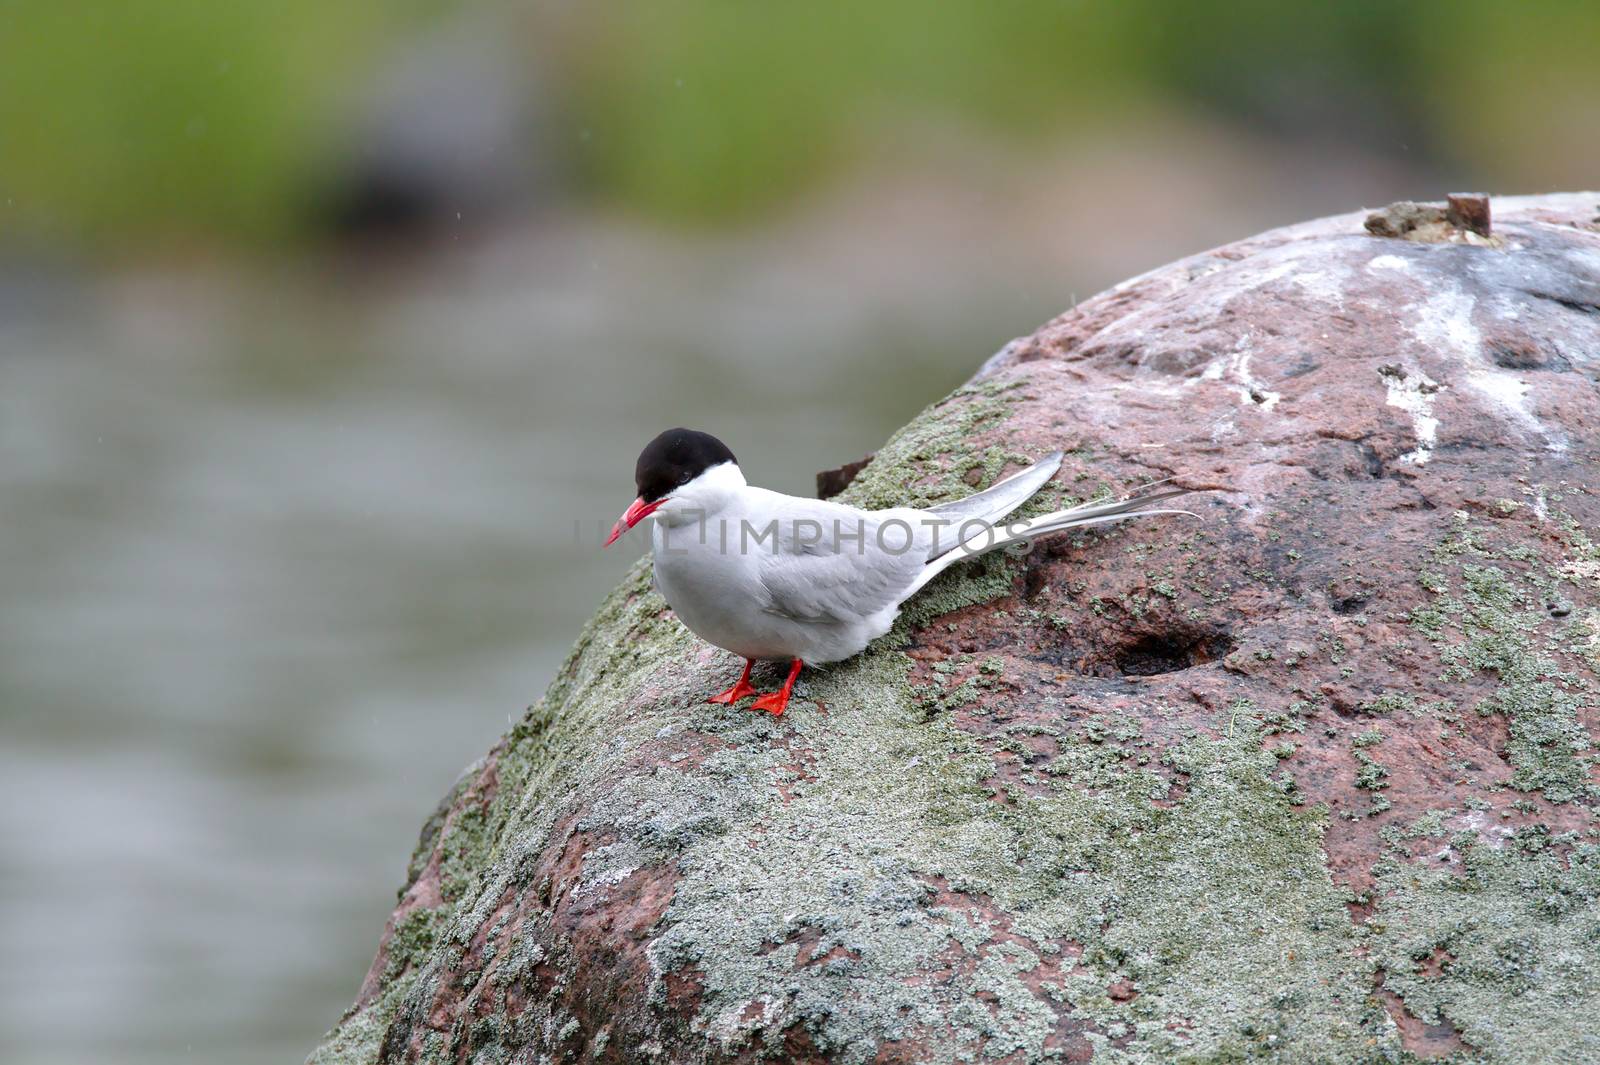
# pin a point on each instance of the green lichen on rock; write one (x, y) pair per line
(414, 937)
(1488, 617)
(1243, 938)
(359, 1035)
(1586, 637)
(1506, 948)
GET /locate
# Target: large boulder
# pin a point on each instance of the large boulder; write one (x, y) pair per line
(1310, 778)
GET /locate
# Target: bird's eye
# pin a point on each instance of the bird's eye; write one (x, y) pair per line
(684, 478)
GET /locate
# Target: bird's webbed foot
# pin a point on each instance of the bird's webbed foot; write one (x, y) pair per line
(740, 689)
(779, 700)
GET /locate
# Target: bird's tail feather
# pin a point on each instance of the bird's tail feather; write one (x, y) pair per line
(996, 537)
(1001, 498)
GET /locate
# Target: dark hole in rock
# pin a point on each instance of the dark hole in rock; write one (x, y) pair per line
(1371, 461)
(1034, 579)
(1349, 604)
(1157, 653)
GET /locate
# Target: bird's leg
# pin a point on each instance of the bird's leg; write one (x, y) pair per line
(740, 689)
(780, 698)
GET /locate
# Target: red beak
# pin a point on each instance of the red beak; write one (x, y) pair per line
(637, 511)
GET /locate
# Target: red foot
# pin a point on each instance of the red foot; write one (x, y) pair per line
(778, 700)
(740, 689)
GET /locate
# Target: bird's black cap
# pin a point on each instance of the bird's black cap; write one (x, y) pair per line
(675, 458)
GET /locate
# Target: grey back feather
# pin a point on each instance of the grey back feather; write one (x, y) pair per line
(842, 580)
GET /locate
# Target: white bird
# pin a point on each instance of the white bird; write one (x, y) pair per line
(808, 581)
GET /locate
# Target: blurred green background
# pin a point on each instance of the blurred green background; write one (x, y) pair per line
(137, 123)
(329, 333)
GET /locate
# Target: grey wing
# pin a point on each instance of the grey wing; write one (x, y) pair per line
(841, 579)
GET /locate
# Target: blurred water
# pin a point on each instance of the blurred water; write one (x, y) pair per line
(282, 551)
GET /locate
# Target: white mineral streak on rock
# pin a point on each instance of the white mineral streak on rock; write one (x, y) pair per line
(1412, 391)
(1389, 262)
(1235, 366)
(1444, 325)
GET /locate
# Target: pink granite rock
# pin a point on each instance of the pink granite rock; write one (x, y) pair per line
(1309, 778)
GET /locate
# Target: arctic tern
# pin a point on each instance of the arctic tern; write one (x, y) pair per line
(809, 581)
